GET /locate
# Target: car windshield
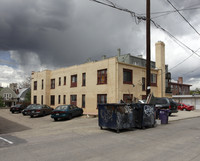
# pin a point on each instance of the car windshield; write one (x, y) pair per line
(31, 106)
(18, 105)
(62, 107)
(161, 101)
(37, 107)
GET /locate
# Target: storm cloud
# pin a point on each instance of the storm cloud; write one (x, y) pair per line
(50, 34)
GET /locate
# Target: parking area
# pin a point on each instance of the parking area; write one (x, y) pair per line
(42, 138)
(26, 127)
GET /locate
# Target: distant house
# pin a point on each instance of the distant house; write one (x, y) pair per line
(178, 88)
(9, 96)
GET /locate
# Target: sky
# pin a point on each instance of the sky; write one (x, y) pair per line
(46, 34)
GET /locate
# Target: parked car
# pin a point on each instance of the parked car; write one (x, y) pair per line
(166, 103)
(17, 108)
(40, 110)
(184, 107)
(66, 112)
(26, 110)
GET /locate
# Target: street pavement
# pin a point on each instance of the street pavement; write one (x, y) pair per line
(36, 139)
(184, 115)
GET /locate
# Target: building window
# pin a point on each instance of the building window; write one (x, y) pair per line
(83, 101)
(74, 81)
(52, 83)
(35, 99)
(42, 84)
(127, 76)
(41, 99)
(59, 82)
(58, 99)
(35, 85)
(102, 76)
(153, 79)
(73, 100)
(143, 84)
(64, 80)
(64, 99)
(83, 79)
(101, 98)
(52, 100)
(127, 98)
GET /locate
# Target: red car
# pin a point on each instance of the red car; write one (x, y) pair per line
(184, 107)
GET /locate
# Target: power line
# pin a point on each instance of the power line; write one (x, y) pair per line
(133, 14)
(183, 17)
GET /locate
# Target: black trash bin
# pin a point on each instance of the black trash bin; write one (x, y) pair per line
(116, 116)
(145, 115)
(163, 116)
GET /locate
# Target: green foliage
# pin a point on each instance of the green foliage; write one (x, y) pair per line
(28, 97)
(1, 102)
(196, 91)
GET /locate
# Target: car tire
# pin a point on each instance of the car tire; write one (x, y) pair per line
(55, 119)
(31, 116)
(70, 117)
(13, 112)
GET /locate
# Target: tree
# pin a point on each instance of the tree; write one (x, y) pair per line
(28, 97)
(26, 83)
(1, 102)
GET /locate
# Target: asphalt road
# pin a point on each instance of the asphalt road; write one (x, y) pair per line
(82, 139)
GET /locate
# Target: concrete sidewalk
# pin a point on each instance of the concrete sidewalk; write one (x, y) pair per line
(184, 115)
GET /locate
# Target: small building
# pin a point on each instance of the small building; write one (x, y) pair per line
(106, 81)
(178, 88)
(9, 96)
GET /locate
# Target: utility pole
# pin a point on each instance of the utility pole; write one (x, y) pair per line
(148, 48)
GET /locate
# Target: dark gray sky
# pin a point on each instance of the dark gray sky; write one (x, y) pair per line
(40, 34)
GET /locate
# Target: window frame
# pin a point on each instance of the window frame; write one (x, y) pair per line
(127, 71)
(59, 97)
(34, 99)
(42, 87)
(102, 76)
(99, 100)
(59, 81)
(83, 79)
(64, 99)
(65, 80)
(53, 82)
(35, 85)
(73, 102)
(83, 101)
(74, 78)
(52, 100)
(153, 76)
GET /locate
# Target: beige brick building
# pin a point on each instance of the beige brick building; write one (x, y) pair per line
(106, 81)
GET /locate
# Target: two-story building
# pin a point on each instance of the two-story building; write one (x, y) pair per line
(106, 81)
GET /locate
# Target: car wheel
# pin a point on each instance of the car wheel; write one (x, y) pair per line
(31, 116)
(70, 117)
(12, 111)
(55, 119)
(44, 114)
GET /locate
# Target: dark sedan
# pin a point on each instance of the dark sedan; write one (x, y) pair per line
(40, 110)
(17, 108)
(25, 111)
(66, 112)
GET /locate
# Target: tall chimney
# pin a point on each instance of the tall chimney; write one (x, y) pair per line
(180, 80)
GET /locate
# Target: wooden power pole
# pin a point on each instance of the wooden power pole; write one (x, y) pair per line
(148, 48)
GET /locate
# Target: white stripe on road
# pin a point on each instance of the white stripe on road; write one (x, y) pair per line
(10, 142)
